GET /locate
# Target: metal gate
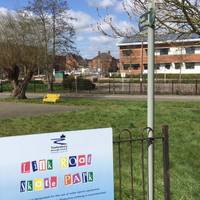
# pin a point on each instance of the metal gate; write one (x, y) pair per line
(130, 155)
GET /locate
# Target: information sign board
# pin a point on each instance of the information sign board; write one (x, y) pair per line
(57, 166)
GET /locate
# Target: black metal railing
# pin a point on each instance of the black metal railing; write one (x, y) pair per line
(130, 155)
(131, 87)
(173, 87)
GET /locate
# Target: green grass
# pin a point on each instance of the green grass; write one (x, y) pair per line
(182, 118)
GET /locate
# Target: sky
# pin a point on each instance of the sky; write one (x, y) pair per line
(88, 40)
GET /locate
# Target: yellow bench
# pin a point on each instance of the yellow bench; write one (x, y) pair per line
(52, 98)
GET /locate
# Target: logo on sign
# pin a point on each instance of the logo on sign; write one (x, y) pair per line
(60, 140)
(59, 144)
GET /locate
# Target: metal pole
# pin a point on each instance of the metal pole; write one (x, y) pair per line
(1, 89)
(166, 168)
(76, 84)
(142, 64)
(109, 85)
(34, 86)
(142, 58)
(196, 87)
(151, 100)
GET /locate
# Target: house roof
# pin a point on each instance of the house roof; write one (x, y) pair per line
(162, 38)
(103, 56)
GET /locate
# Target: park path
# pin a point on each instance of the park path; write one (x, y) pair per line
(187, 98)
(12, 109)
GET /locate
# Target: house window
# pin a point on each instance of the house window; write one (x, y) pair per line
(126, 66)
(177, 65)
(190, 50)
(164, 51)
(135, 66)
(190, 65)
(145, 66)
(167, 65)
(127, 52)
(157, 66)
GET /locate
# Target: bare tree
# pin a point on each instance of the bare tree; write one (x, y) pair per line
(58, 31)
(178, 16)
(20, 50)
(181, 16)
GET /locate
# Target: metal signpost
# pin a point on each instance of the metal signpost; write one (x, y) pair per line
(151, 97)
(76, 84)
(123, 75)
(147, 20)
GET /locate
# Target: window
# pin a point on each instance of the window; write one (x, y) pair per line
(189, 65)
(127, 52)
(157, 52)
(157, 66)
(197, 50)
(178, 51)
(167, 65)
(135, 66)
(126, 66)
(178, 65)
(164, 51)
(190, 50)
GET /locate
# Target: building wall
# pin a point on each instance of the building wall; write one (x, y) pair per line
(132, 61)
(103, 62)
(66, 63)
(60, 63)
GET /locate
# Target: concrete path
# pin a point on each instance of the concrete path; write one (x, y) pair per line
(114, 96)
(12, 109)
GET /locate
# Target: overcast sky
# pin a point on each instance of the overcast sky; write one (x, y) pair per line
(88, 41)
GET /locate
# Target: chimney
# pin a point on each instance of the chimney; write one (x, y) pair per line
(109, 52)
(99, 53)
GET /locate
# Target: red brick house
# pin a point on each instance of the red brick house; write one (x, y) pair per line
(173, 54)
(69, 62)
(104, 63)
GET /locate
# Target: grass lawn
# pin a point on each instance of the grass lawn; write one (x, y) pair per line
(182, 117)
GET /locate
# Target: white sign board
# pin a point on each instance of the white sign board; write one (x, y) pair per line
(57, 166)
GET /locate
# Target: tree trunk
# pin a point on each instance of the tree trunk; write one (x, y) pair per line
(50, 80)
(19, 91)
(19, 88)
(50, 71)
(50, 86)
